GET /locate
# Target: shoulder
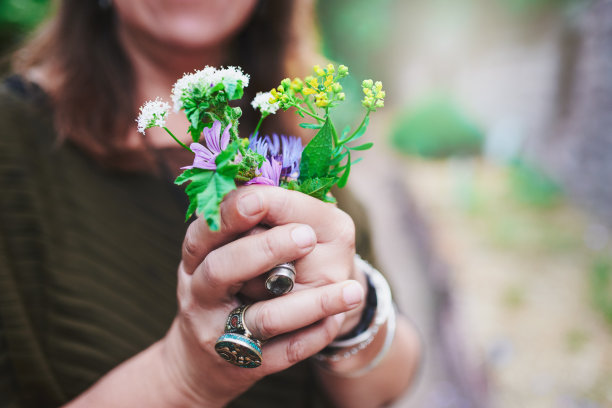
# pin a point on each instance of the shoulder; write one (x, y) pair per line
(25, 114)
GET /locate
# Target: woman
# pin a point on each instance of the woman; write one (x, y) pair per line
(91, 232)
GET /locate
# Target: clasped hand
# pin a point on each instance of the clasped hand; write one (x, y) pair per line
(220, 270)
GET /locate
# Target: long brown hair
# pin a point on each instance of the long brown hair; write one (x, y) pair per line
(93, 96)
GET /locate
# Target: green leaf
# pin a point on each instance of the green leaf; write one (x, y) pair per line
(209, 199)
(345, 175)
(364, 146)
(207, 188)
(311, 125)
(233, 89)
(317, 154)
(317, 187)
(338, 158)
(345, 132)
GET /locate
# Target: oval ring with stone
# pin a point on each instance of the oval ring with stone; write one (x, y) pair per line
(281, 278)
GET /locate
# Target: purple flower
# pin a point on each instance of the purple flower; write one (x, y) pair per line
(215, 143)
(270, 173)
(287, 150)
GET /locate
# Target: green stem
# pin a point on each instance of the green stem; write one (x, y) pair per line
(263, 116)
(177, 141)
(358, 128)
(308, 102)
(320, 119)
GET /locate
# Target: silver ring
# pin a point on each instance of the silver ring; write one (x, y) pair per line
(281, 278)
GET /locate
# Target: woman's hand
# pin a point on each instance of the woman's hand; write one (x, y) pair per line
(219, 266)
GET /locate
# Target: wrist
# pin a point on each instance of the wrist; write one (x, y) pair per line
(185, 372)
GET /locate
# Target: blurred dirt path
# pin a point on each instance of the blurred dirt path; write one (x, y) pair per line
(419, 279)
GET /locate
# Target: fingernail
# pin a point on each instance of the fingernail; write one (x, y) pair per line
(352, 294)
(303, 236)
(339, 318)
(249, 204)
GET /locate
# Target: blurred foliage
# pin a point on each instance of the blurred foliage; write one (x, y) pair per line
(436, 129)
(601, 286)
(523, 7)
(17, 19)
(355, 33)
(532, 186)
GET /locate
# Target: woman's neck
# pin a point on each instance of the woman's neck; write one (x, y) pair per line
(156, 69)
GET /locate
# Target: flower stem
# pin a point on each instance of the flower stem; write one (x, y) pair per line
(358, 128)
(256, 131)
(320, 119)
(308, 102)
(177, 141)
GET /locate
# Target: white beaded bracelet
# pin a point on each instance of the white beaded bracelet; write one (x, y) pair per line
(384, 313)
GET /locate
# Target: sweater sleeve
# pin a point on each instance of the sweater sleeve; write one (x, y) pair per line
(25, 377)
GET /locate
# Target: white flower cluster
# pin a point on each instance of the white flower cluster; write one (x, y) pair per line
(152, 114)
(207, 77)
(262, 102)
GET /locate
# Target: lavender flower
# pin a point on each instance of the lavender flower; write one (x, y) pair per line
(270, 173)
(215, 143)
(286, 150)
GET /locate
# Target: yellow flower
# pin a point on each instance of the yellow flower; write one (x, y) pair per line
(297, 84)
(330, 68)
(317, 69)
(313, 82)
(328, 81)
(321, 103)
(308, 91)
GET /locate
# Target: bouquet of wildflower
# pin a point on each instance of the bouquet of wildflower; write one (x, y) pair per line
(225, 160)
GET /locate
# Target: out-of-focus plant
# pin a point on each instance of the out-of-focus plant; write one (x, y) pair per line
(529, 6)
(362, 45)
(532, 186)
(436, 129)
(18, 18)
(601, 286)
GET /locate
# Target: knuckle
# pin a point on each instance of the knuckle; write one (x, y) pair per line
(224, 215)
(190, 246)
(266, 324)
(211, 271)
(326, 304)
(279, 206)
(346, 229)
(267, 245)
(296, 351)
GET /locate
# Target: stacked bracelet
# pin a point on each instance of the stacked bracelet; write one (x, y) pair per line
(379, 295)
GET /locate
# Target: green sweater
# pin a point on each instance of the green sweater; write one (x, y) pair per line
(88, 261)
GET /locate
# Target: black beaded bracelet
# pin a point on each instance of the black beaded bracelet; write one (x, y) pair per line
(368, 312)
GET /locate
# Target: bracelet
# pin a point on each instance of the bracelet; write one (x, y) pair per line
(346, 347)
(391, 324)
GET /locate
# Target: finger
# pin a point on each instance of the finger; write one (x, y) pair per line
(240, 211)
(226, 268)
(300, 309)
(285, 351)
(281, 206)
